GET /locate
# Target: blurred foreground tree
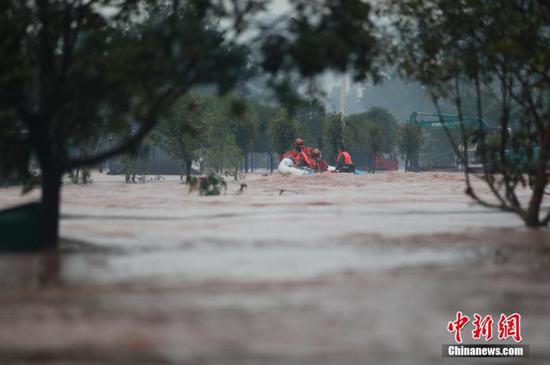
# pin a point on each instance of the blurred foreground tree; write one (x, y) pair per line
(501, 46)
(71, 67)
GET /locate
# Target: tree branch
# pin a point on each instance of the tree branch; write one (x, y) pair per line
(469, 189)
(127, 146)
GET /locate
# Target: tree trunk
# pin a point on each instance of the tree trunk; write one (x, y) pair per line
(532, 218)
(51, 199)
(373, 162)
(188, 170)
(270, 161)
(246, 162)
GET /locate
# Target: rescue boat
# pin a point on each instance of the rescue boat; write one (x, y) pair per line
(287, 167)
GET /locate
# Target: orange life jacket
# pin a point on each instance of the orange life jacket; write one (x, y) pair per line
(347, 158)
(321, 165)
(291, 154)
(309, 162)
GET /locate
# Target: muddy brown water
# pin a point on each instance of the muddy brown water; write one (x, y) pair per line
(333, 269)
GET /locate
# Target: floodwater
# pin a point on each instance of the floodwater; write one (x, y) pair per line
(329, 269)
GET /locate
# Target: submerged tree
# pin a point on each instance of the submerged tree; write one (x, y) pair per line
(242, 120)
(371, 133)
(262, 143)
(409, 142)
(453, 47)
(386, 122)
(282, 131)
(375, 143)
(334, 134)
(182, 132)
(311, 117)
(70, 67)
(220, 152)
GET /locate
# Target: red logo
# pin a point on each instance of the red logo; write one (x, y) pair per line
(508, 327)
(483, 327)
(457, 326)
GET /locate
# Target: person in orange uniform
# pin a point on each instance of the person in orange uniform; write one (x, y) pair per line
(344, 162)
(294, 153)
(301, 155)
(303, 158)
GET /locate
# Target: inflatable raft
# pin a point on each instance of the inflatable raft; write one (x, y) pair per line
(286, 167)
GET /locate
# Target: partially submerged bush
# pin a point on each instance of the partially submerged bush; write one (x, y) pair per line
(83, 176)
(210, 184)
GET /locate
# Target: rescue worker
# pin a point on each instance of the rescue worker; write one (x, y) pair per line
(295, 152)
(343, 161)
(320, 164)
(302, 158)
(298, 145)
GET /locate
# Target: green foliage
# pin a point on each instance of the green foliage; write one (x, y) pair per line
(376, 138)
(334, 135)
(103, 76)
(311, 117)
(83, 177)
(469, 52)
(183, 131)
(321, 34)
(282, 131)
(211, 184)
(135, 161)
(371, 132)
(71, 70)
(264, 114)
(410, 140)
(219, 150)
(243, 123)
(386, 122)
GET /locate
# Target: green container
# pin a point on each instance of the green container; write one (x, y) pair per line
(20, 228)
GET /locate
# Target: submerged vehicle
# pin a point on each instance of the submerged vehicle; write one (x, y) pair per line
(386, 162)
(437, 152)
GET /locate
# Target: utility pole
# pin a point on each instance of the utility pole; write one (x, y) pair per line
(343, 100)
